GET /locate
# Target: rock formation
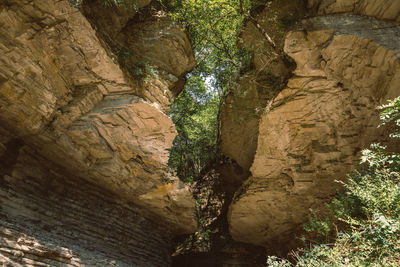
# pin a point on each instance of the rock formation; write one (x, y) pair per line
(383, 10)
(243, 106)
(85, 89)
(84, 134)
(50, 217)
(211, 244)
(311, 133)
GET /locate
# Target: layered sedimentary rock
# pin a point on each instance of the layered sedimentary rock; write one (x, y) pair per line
(52, 218)
(385, 10)
(248, 99)
(242, 108)
(66, 100)
(314, 129)
(146, 43)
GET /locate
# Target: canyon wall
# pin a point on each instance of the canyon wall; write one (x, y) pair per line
(84, 133)
(85, 89)
(310, 132)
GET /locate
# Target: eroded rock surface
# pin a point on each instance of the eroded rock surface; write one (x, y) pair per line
(65, 98)
(147, 45)
(254, 90)
(239, 134)
(315, 128)
(381, 9)
(53, 218)
(72, 103)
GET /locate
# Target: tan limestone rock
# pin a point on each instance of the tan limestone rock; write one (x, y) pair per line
(316, 127)
(381, 9)
(247, 100)
(63, 93)
(238, 135)
(172, 197)
(150, 48)
(49, 217)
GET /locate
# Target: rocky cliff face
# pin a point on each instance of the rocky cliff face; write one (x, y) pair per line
(243, 106)
(383, 10)
(84, 134)
(311, 132)
(84, 93)
(50, 217)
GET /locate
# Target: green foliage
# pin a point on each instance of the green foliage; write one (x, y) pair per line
(75, 3)
(368, 213)
(194, 113)
(391, 113)
(322, 227)
(214, 28)
(141, 71)
(274, 261)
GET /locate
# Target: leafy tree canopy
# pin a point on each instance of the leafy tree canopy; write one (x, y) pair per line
(214, 27)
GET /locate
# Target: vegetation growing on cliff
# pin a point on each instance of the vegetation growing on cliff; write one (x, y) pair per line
(368, 213)
(215, 31)
(214, 28)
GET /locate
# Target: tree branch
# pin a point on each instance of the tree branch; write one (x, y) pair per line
(264, 33)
